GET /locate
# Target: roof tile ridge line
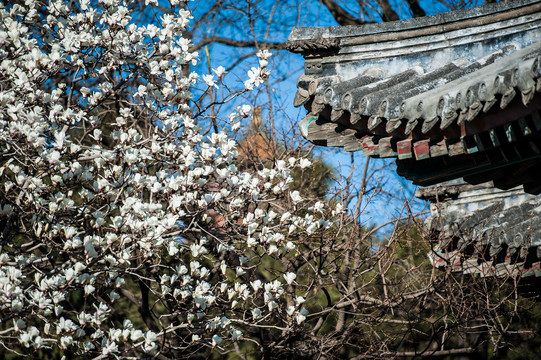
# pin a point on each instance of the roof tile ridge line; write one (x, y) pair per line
(452, 35)
(300, 33)
(504, 63)
(444, 27)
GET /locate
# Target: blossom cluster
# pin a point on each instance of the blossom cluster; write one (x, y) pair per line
(258, 75)
(112, 197)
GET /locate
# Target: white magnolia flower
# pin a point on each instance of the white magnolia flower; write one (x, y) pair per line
(209, 80)
(296, 196)
(240, 271)
(272, 305)
(216, 339)
(256, 77)
(290, 277)
(256, 313)
(89, 289)
(236, 334)
(290, 310)
(256, 285)
(264, 54)
(219, 71)
(304, 163)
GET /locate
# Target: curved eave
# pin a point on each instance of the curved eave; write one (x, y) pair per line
(449, 85)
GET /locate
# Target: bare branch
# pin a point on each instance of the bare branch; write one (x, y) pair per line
(416, 9)
(388, 14)
(341, 16)
(467, 350)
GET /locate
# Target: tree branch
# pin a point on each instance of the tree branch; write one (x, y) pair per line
(217, 5)
(467, 350)
(144, 309)
(341, 16)
(416, 9)
(388, 14)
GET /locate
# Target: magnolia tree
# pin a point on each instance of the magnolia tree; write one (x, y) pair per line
(126, 231)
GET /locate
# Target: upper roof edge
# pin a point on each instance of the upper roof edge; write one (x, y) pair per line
(335, 32)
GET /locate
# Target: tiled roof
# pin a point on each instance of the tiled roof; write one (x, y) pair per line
(485, 231)
(457, 93)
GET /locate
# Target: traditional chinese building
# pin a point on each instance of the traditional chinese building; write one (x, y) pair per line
(456, 95)
(453, 96)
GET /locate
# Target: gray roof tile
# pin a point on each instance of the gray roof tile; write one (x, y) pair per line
(437, 85)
